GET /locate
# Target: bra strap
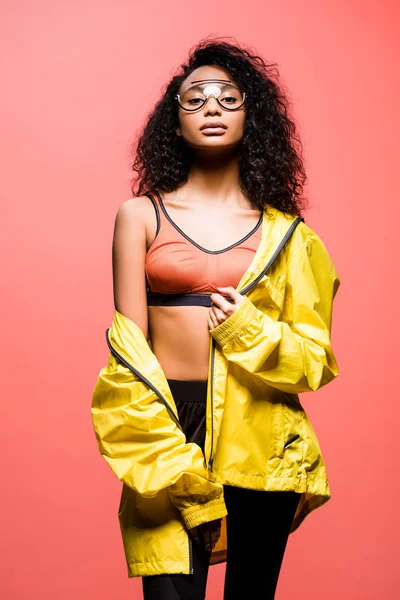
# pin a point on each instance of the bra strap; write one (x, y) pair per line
(157, 210)
(149, 195)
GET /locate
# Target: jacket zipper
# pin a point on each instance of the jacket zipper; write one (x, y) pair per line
(211, 459)
(274, 256)
(244, 291)
(190, 555)
(169, 408)
(144, 379)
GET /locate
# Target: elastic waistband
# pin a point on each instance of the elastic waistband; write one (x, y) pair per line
(188, 390)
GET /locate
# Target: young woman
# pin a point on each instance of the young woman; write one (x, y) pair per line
(223, 307)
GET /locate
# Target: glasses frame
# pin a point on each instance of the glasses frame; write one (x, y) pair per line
(178, 98)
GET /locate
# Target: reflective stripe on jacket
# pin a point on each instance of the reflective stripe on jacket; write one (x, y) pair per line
(273, 347)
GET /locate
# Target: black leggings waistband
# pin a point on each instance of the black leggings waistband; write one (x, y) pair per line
(190, 400)
(188, 390)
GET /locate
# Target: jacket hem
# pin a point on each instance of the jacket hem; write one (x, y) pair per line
(160, 567)
(255, 481)
(314, 493)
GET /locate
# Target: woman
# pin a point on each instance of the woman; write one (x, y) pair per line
(223, 307)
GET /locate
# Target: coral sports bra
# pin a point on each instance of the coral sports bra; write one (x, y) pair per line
(181, 272)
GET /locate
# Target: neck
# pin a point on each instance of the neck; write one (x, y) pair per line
(214, 177)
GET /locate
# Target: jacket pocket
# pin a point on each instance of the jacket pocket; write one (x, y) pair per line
(291, 440)
(288, 416)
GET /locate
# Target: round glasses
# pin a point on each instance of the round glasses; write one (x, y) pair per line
(228, 96)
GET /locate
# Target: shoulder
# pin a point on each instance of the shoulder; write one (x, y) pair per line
(136, 212)
(309, 249)
(138, 207)
(304, 238)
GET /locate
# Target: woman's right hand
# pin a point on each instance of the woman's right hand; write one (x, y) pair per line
(207, 533)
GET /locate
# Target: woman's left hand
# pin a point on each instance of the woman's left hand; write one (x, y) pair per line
(222, 308)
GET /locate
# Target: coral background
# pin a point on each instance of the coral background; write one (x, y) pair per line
(78, 79)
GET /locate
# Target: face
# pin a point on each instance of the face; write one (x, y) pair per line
(198, 127)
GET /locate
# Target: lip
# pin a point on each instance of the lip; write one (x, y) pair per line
(213, 125)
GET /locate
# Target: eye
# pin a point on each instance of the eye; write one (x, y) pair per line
(229, 100)
(195, 101)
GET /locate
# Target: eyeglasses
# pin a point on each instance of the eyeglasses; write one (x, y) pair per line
(228, 96)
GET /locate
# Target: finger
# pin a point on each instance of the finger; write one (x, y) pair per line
(216, 530)
(195, 535)
(217, 316)
(230, 291)
(235, 298)
(207, 540)
(216, 535)
(203, 533)
(213, 316)
(212, 320)
(220, 301)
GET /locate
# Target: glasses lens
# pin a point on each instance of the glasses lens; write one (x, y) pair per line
(228, 95)
(192, 99)
(231, 99)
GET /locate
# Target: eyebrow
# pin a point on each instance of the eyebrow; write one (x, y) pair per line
(213, 80)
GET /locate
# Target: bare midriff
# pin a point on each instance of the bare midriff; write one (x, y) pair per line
(180, 340)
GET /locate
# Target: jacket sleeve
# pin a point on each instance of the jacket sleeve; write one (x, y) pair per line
(147, 450)
(293, 354)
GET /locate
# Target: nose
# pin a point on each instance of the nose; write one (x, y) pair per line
(211, 106)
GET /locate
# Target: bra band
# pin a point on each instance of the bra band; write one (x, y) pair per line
(156, 299)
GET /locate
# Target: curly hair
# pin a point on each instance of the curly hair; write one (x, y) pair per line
(271, 170)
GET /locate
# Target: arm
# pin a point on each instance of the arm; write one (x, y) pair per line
(128, 260)
(293, 354)
(136, 434)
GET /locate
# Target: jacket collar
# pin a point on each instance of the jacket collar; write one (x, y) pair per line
(275, 224)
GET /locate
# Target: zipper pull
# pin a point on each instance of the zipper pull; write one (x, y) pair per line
(210, 464)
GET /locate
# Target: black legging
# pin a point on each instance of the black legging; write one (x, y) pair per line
(257, 527)
(256, 519)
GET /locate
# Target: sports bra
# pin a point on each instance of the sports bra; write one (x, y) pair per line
(181, 272)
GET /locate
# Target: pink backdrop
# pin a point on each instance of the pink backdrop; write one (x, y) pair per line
(77, 80)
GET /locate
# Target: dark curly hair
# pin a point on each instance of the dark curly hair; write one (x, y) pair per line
(270, 162)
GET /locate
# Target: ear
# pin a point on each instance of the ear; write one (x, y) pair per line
(178, 131)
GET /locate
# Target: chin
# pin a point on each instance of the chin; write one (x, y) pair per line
(213, 142)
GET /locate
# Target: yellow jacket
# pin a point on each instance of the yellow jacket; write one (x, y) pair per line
(275, 346)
